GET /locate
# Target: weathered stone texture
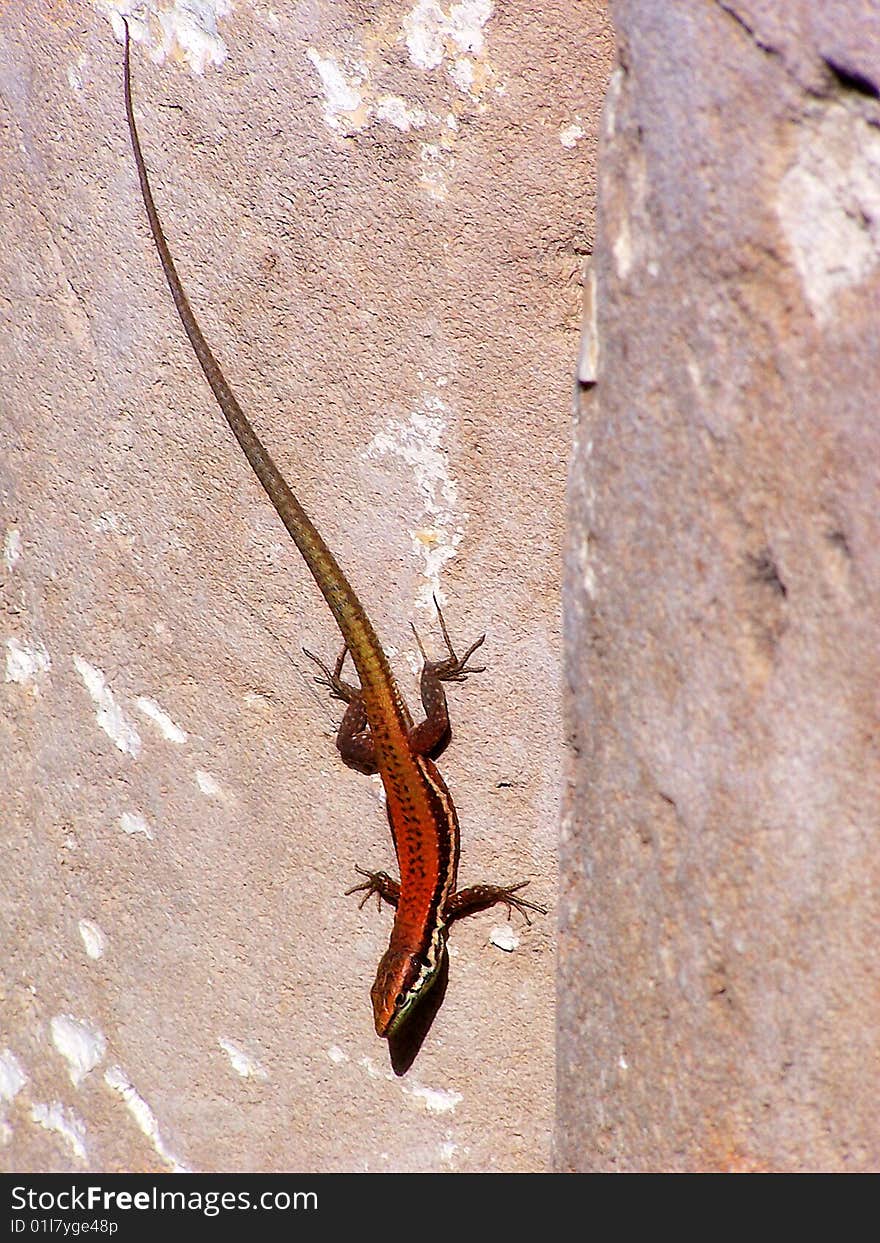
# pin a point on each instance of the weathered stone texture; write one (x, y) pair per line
(379, 212)
(720, 972)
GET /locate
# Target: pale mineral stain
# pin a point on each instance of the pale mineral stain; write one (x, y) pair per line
(62, 1122)
(92, 938)
(570, 135)
(433, 34)
(80, 1044)
(131, 822)
(400, 114)
(242, 1063)
(588, 350)
(613, 93)
(117, 1080)
(464, 74)
(160, 718)
(109, 714)
(418, 442)
(828, 204)
(12, 1077)
(503, 937)
(622, 249)
(344, 105)
(26, 664)
(76, 73)
(11, 547)
(350, 102)
(182, 31)
(434, 1100)
(424, 28)
(110, 522)
(588, 572)
(209, 785)
(374, 1071)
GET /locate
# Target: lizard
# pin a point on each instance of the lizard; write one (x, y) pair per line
(377, 733)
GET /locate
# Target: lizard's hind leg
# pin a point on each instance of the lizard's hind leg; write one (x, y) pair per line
(354, 742)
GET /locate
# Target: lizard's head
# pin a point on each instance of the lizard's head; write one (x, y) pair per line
(402, 981)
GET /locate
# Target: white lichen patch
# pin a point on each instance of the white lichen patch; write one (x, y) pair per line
(434, 1100)
(11, 547)
(344, 106)
(463, 72)
(400, 114)
(118, 1082)
(336, 1055)
(349, 103)
(182, 31)
(80, 1044)
(570, 135)
(242, 1063)
(437, 162)
(434, 36)
(12, 1077)
(109, 714)
(131, 822)
(424, 27)
(27, 665)
(504, 937)
(93, 938)
(419, 443)
(828, 204)
(160, 718)
(65, 1123)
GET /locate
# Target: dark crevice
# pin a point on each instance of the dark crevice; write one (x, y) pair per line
(750, 30)
(851, 79)
(766, 571)
(838, 539)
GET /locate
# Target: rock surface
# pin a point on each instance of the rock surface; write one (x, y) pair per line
(379, 213)
(721, 889)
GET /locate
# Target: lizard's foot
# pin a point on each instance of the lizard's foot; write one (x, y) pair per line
(378, 883)
(454, 668)
(339, 689)
(481, 897)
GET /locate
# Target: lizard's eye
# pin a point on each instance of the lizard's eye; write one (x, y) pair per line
(400, 999)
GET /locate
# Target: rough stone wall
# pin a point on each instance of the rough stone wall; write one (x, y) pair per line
(720, 914)
(379, 212)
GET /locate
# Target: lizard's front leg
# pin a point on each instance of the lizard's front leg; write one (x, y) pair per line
(433, 733)
(378, 883)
